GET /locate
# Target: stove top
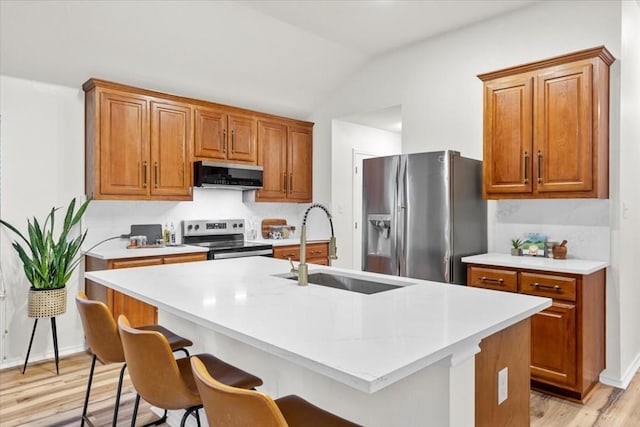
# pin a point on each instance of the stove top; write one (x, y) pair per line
(224, 238)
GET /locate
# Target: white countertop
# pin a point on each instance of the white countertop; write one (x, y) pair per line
(117, 249)
(570, 265)
(365, 341)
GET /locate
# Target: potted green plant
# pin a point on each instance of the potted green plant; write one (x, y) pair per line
(516, 247)
(48, 262)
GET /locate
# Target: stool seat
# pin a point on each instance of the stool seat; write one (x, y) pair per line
(175, 340)
(300, 413)
(222, 371)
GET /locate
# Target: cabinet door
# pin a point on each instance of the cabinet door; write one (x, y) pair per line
(272, 156)
(508, 130)
(554, 345)
(210, 134)
(124, 145)
(563, 132)
(299, 164)
(138, 312)
(170, 144)
(242, 139)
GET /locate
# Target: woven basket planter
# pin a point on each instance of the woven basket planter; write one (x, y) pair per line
(47, 302)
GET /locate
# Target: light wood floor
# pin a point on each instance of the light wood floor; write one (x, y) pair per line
(42, 398)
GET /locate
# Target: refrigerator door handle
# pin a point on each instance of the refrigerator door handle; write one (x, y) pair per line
(401, 224)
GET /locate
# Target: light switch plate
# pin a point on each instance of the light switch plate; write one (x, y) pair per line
(503, 381)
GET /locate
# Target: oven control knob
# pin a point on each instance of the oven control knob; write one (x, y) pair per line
(197, 227)
(189, 227)
(235, 225)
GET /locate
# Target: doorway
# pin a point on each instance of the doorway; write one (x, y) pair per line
(358, 157)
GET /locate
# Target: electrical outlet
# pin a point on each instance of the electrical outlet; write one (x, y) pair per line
(503, 381)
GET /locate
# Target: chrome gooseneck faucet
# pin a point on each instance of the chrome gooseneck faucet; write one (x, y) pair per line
(302, 266)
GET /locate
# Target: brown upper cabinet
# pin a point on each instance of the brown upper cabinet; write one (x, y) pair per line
(223, 136)
(285, 153)
(546, 128)
(141, 144)
(137, 146)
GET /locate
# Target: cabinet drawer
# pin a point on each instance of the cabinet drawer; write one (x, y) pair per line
(557, 287)
(317, 250)
(134, 262)
(176, 259)
(492, 278)
(284, 252)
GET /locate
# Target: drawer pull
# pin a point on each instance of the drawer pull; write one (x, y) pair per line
(489, 279)
(554, 287)
(315, 252)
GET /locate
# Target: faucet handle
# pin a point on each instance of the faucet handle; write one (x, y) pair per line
(293, 270)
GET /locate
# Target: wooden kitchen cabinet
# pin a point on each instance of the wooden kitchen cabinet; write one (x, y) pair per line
(285, 152)
(568, 338)
(136, 146)
(317, 253)
(224, 136)
(138, 312)
(546, 128)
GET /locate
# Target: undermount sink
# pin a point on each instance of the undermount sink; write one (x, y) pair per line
(346, 283)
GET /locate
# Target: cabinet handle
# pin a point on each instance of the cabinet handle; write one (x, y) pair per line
(289, 255)
(290, 183)
(316, 252)
(489, 279)
(552, 287)
(144, 174)
(224, 141)
(526, 167)
(284, 182)
(233, 141)
(155, 174)
(539, 166)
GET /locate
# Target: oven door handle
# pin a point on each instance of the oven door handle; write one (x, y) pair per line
(226, 255)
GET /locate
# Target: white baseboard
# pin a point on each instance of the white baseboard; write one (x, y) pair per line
(39, 357)
(626, 378)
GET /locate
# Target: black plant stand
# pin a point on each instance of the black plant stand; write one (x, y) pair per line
(55, 343)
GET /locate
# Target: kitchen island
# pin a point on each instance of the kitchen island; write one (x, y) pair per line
(401, 357)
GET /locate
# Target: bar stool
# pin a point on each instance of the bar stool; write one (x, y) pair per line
(166, 382)
(101, 333)
(234, 407)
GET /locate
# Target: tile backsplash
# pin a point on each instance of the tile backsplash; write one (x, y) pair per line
(584, 223)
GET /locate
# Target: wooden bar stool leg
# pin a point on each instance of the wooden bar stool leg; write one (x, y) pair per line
(35, 323)
(54, 331)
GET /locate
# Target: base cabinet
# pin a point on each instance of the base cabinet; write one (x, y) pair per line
(568, 338)
(139, 313)
(317, 253)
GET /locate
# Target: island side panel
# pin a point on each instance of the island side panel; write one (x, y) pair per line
(510, 348)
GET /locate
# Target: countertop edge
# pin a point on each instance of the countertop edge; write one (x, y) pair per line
(570, 265)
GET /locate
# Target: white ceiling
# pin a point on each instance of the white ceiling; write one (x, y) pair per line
(282, 57)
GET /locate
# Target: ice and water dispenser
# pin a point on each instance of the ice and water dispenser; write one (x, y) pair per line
(379, 235)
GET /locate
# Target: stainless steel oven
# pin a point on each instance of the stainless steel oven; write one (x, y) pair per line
(223, 237)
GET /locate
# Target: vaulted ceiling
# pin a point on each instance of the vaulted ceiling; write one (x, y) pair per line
(283, 57)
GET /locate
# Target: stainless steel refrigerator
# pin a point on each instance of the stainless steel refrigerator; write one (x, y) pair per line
(421, 214)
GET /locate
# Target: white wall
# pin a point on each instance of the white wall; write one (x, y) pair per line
(627, 207)
(441, 97)
(347, 137)
(42, 165)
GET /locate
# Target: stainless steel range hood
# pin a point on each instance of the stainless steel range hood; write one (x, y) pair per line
(229, 176)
